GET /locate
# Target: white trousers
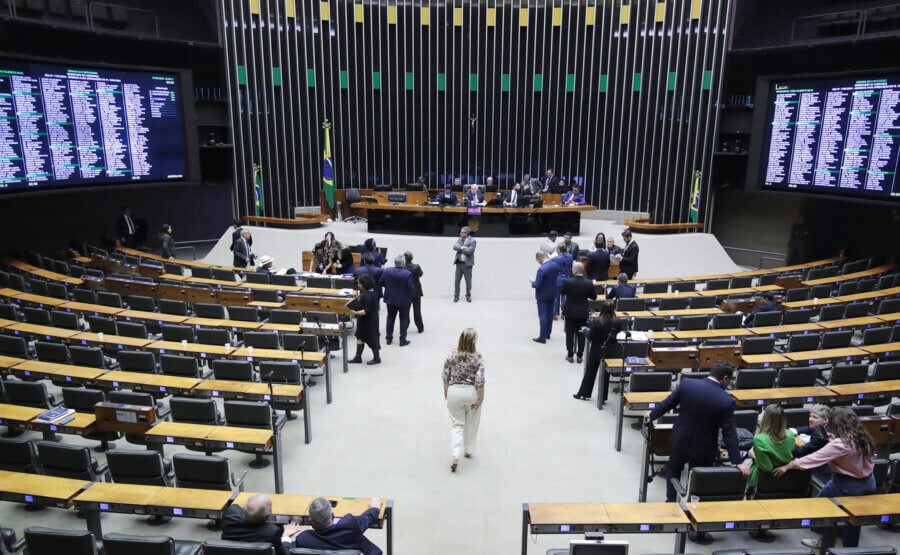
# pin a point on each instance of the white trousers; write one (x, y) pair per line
(463, 419)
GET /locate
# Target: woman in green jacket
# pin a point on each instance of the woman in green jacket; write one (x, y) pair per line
(773, 446)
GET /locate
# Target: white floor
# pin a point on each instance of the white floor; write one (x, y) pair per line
(386, 433)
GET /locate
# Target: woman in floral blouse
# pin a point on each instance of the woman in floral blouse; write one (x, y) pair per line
(464, 391)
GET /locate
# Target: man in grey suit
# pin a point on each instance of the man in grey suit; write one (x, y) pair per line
(464, 260)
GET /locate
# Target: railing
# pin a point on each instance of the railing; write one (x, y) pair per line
(773, 256)
(858, 24)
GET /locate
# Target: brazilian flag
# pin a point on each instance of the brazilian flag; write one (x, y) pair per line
(327, 167)
(258, 190)
(694, 212)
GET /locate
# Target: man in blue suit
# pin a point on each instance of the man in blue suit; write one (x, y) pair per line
(545, 293)
(368, 266)
(623, 290)
(705, 407)
(398, 287)
(346, 533)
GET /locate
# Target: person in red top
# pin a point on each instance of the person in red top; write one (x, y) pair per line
(849, 453)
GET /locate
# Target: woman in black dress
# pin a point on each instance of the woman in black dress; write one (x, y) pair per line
(367, 323)
(602, 332)
(168, 244)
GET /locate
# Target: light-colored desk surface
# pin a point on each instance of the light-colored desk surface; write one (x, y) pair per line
(825, 354)
(256, 436)
(749, 291)
(40, 299)
(672, 295)
(124, 494)
(172, 382)
(877, 294)
(305, 327)
(92, 308)
(177, 429)
(223, 385)
(188, 498)
(119, 376)
(4, 322)
(147, 316)
(222, 323)
(173, 277)
(112, 340)
(796, 509)
(266, 304)
(866, 387)
(890, 318)
(787, 328)
(34, 329)
(283, 504)
(606, 513)
(882, 348)
(704, 334)
(10, 293)
(18, 412)
(645, 397)
(646, 513)
(39, 485)
(776, 393)
(768, 358)
(726, 511)
(193, 348)
(849, 277)
(9, 362)
(242, 285)
(687, 312)
(870, 505)
(58, 369)
(278, 354)
(850, 323)
(619, 363)
(811, 303)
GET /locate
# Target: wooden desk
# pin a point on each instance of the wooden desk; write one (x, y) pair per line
(42, 301)
(41, 332)
(716, 516)
(671, 295)
(615, 366)
(811, 303)
(611, 518)
(885, 389)
(644, 400)
(233, 325)
(306, 359)
(189, 502)
(826, 355)
(850, 323)
(893, 318)
(849, 277)
(745, 398)
(127, 380)
(687, 312)
(17, 413)
(37, 489)
(871, 509)
(751, 291)
(10, 293)
(55, 370)
(776, 331)
(870, 295)
(763, 361)
(8, 362)
(119, 342)
(201, 349)
(883, 350)
(169, 385)
(695, 335)
(79, 424)
(90, 309)
(150, 317)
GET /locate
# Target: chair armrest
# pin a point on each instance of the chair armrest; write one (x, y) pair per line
(101, 470)
(239, 484)
(280, 420)
(17, 546)
(679, 487)
(54, 402)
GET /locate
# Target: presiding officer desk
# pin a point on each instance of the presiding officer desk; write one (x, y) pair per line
(710, 516)
(96, 498)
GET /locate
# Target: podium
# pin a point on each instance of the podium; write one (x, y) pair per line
(119, 417)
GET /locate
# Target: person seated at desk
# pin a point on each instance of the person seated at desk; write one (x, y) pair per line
(772, 446)
(474, 197)
(267, 266)
(818, 437)
(573, 197)
(250, 523)
(447, 196)
(514, 197)
(612, 247)
(623, 290)
(346, 533)
(768, 304)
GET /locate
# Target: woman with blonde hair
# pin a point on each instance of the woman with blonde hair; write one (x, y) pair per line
(772, 446)
(464, 391)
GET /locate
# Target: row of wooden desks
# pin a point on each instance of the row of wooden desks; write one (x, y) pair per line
(102, 497)
(709, 516)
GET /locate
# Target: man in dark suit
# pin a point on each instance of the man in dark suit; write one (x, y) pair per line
(126, 229)
(417, 273)
(514, 197)
(447, 196)
(250, 524)
(347, 533)
(545, 293)
(768, 304)
(628, 260)
(549, 180)
(474, 196)
(704, 408)
(623, 290)
(398, 288)
(243, 256)
(368, 266)
(598, 265)
(577, 291)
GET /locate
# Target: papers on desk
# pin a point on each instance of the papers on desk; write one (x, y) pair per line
(55, 414)
(635, 336)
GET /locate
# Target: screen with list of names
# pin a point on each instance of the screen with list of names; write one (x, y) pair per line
(838, 136)
(67, 126)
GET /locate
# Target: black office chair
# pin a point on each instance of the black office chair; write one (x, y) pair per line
(84, 296)
(888, 306)
(649, 323)
(222, 274)
(58, 291)
(108, 298)
(37, 316)
(748, 378)
(52, 541)
(172, 332)
(213, 336)
(874, 336)
(176, 365)
(257, 277)
(797, 316)
(282, 316)
(798, 377)
(51, 352)
(250, 414)
(128, 544)
(205, 472)
(758, 345)
(819, 273)
(319, 282)
(803, 342)
(140, 302)
(68, 320)
(18, 455)
(837, 339)
(240, 370)
(17, 282)
(243, 313)
(717, 284)
(857, 309)
(70, 461)
(286, 280)
(866, 285)
(13, 346)
(137, 361)
(261, 339)
(266, 296)
(227, 547)
(796, 294)
(319, 317)
(848, 373)
(623, 305)
(658, 287)
(90, 356)
(353, 198)
(82, 399)
(173, 268)
(821, 291)
(766, 319)
(283, 372)
(879, 550)
(725, 321)
(30, 394)
(886, 370)
(719, 483)
(832, 312)
(101, 324)
(708, 301)
(674, 303)
(796, 417)
(746, 419)
(8, 312)
(848, 288)
(793, 484)
(209, 310)
(174, 307)
(146, 468)
(744, 281)
(687, 323)
(132, 329)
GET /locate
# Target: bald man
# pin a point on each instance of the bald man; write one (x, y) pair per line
(577, 291)
(250, 523)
